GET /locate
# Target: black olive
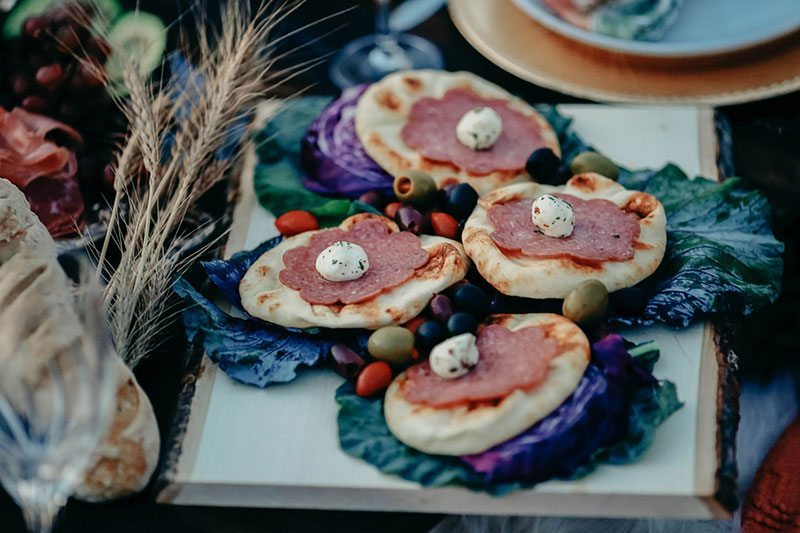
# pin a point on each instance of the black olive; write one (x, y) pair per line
(430, 333)
(472, 299)
(461, 323)
(543, 165)
(628, 301)
(461, 201)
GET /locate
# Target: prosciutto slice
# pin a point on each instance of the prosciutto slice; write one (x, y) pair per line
(509, 361)
(43, 170)
(393, 258)
(603, 231)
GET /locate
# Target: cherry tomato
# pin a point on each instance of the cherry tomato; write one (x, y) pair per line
(297, 221)
(414, 323)
(391, 209)
(374, 378)
(444, 225)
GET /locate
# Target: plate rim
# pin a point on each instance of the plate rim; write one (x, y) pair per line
(543, 16)
(477, 41)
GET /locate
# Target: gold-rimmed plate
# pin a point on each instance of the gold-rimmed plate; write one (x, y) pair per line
(515, 42)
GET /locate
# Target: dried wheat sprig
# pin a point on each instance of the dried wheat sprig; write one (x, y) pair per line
(159, 188)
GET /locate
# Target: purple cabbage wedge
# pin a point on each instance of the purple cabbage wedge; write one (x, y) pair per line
(333, 158)
(564, 443)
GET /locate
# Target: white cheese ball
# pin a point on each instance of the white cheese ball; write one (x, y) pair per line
(454, 357)
(342, 261)
(553, 216)
(479, 128)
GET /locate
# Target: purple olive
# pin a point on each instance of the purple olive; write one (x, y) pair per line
(373, 199)
(409, 219)
(347, 362)
(441, 307)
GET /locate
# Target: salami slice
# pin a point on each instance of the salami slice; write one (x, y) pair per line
(509, 361)
(431, 130)
(393, 258)
(603, 231)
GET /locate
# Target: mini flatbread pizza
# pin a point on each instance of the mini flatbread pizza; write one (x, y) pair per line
(413, 120)
(390, 283)
(618, 237)
(528, 365)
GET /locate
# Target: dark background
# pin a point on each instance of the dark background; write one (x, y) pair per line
(766, 137)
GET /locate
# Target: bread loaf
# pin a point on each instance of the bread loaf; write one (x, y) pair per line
(37, 306)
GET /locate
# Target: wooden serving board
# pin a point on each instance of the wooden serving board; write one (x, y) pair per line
(236, 445)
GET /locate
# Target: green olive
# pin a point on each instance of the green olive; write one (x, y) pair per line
(586, 303)
(594, 162)
(416, 188)
(392, 344)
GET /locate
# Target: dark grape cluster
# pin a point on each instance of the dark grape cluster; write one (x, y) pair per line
(55, 68)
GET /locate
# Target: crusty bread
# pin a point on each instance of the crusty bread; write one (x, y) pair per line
(37, 308)
(18, 225)
(519, 275)
(265, 297)
(383, 110)
(468, 429)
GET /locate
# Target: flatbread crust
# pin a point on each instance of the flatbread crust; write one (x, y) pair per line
(383, 110)
(265, 297)
(520, 275)
(474, 428)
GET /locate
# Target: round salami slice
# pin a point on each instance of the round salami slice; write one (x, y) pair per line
(509, 361)
(603, 231)
(393, 258)
(431, 130)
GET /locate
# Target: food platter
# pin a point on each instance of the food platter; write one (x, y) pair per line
(736, 27)
(515, 42)
(235, 445)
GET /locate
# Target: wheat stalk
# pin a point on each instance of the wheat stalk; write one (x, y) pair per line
(158, 189)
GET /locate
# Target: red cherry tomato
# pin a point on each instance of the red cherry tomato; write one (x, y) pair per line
(297, 221)
(374, 378)
(414, 323)
(391, 209)
(444, 225)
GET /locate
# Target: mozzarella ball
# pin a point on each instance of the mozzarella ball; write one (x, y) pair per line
(479, 128)
(553, 216)
(454, 357)
(342, 261)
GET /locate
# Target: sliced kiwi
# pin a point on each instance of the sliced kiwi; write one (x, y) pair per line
(12, 27)
(136, 35)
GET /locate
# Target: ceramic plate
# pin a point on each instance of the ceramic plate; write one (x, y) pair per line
(523, 46)
(703, 27)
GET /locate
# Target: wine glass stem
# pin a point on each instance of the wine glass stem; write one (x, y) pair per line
(382, 18)
(40, 516)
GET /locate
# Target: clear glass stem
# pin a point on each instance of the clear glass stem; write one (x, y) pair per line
(382, 18)
(40, 505)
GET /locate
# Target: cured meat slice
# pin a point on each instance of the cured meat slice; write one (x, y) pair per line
(44, 171)
(603, 231)
(431, 130)
(509, 361)
(57, 203)
(393, 258)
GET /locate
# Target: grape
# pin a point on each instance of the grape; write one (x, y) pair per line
(35, 104)
(55, 68)
(49, 76)
(21, 85)
(33, 27)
